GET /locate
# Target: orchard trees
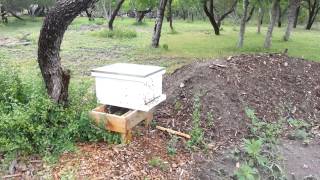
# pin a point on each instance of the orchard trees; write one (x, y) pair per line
(158, 24)
(114, 13)
(142, 7)
(313, 7)
(55, 24)
(215, 19)
(243, 23)
(274, 6)
(292, 10)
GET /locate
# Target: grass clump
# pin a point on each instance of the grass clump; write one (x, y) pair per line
(30, 123)
(157, 162)
(116, 33)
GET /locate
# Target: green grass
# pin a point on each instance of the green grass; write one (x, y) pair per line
(81, 51)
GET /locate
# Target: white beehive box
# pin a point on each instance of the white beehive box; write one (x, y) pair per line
(130, 86)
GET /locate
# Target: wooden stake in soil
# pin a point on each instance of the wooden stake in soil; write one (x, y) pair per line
(174, 132)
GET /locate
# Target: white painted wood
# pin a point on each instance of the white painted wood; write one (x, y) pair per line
(130, 86)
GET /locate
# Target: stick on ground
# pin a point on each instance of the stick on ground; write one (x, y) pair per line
(174, 132)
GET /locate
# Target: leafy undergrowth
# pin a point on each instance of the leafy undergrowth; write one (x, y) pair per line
(32, 124)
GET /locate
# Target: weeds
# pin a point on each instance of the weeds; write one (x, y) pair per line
(259, 153)
(210, 120)
(177, 105)
(171, 147)
(197, 134)
(116, 33)
(300, 130)
(246, 172)
(158, 163)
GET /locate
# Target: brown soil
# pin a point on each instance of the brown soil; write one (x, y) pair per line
(274, 85)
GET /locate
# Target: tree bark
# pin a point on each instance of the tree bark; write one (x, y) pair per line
(313, 10)
(279, 14)
(55, 24)
(170, 19)
(114, 14)
(158, 24)
(209, 13)
(141, 14)
(259, 20)
(243, 23)
(250, 14)
(293, 5)
(296, 16)
(267, 42)
(15, 15)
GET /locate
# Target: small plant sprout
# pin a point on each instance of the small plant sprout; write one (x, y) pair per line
(177, 105)
(245, 172)
(158, 163)
(171, 147)
(210, 121)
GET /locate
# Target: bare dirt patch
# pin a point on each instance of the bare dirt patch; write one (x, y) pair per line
(275, 85)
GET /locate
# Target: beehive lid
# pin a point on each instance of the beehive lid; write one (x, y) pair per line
(126, 69)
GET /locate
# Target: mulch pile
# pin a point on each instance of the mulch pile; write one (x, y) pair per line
(132, 161)
(274, 85)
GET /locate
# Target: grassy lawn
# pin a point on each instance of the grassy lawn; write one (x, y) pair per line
(82, 49)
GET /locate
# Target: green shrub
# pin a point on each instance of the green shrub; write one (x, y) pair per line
(165, 47)
(116, 33)
(30, 123)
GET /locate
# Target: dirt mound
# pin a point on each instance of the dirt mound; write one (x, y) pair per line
(274, 85)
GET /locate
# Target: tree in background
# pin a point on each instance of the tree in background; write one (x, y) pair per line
(214, 17)
(115, 13)
(243, 23)
(158, 24)
(169, 14)
(313, 7)
(51, 35)
(142, 7)
(274, 8)
(293, 6)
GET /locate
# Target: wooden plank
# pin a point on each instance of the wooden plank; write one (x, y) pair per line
(174, 132)
(109, 121)
(135, 118)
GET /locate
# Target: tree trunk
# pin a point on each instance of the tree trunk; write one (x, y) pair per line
(140, 15)
(243, 23)
(279, 15)
(158, 24)
(114, 14)
(55, 24)
(209, 12)
(170, 14)
(313, 9)
(104, 8)
(296, 16)
(89, 15)
(15, 15)
(250, 14)
(259, 20)
(293, 5)
(267, 42)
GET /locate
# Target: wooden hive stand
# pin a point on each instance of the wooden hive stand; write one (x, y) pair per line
(120, 123)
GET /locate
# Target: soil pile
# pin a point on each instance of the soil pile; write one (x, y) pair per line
(274, 85)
